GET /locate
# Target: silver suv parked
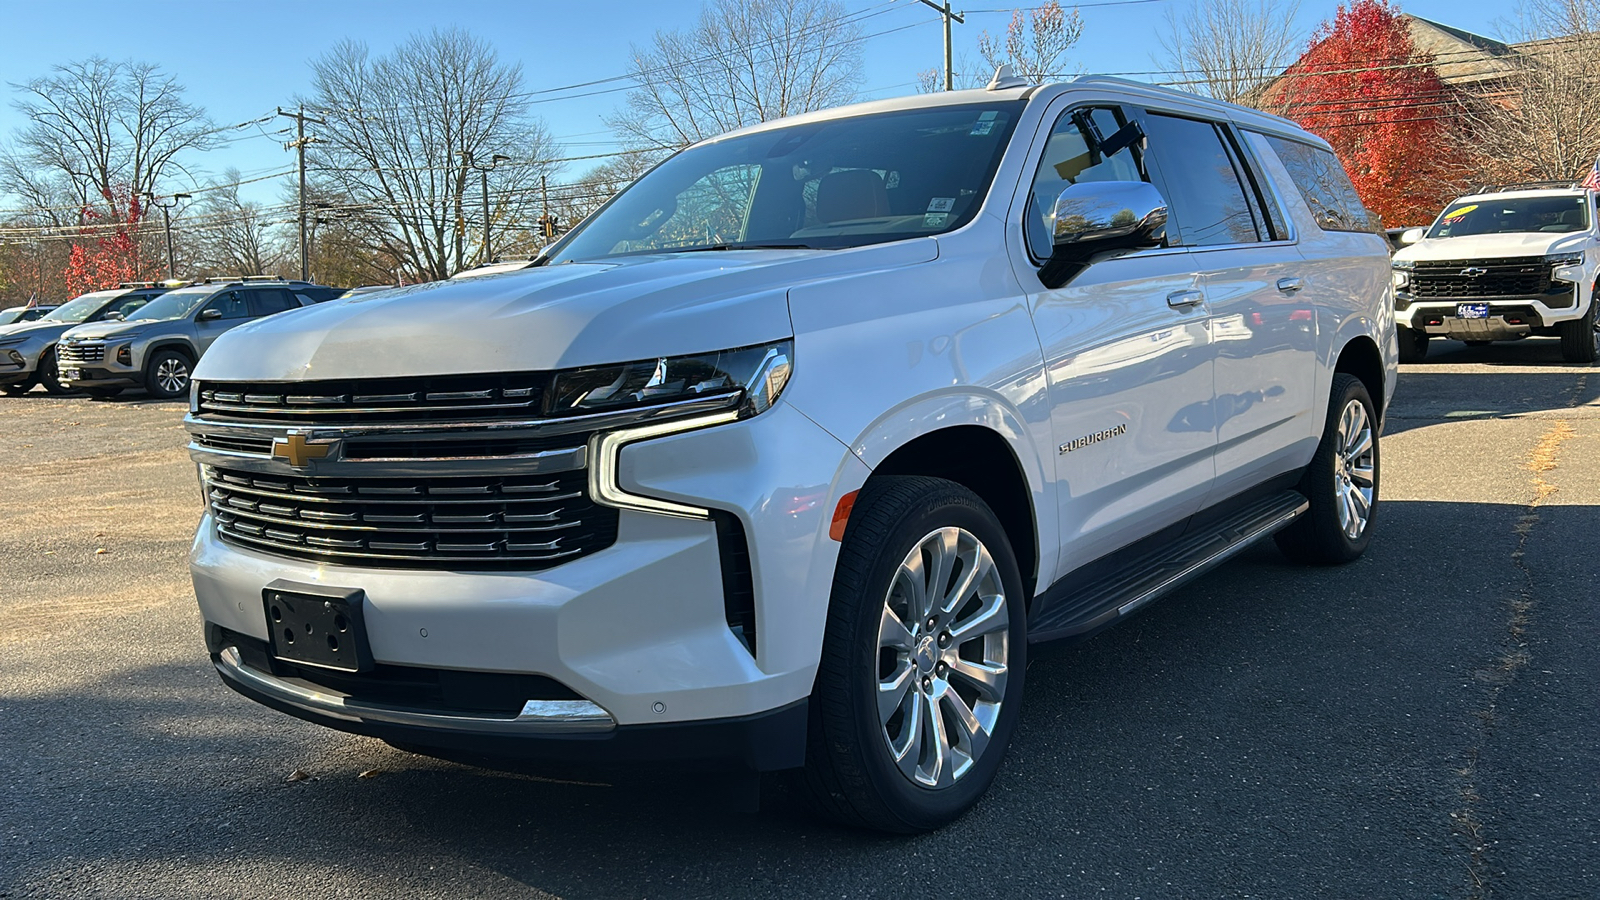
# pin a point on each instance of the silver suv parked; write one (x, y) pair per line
(28, 349)
(157, 345)
(786, 456)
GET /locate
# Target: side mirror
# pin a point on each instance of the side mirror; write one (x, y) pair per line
(115, 315)
(207, 315)
(1097, 217)
(1412, 235)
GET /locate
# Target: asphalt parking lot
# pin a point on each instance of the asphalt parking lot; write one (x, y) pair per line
(1421, 723)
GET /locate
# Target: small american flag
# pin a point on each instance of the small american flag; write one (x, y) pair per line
(1593, 181)
(33, 301)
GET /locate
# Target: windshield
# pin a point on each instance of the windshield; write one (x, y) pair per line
(7, 316)
(80, 308)
(823, 185)
(174, 304)
(1514, 215)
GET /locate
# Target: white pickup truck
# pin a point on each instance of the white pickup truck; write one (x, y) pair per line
(1502, 265)
(784, 457)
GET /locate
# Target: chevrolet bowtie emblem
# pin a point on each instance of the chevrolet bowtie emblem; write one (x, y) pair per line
(297, 451)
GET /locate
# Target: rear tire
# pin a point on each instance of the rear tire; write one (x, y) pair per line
(1413, 344)
(923, 659)
(1341, 483)
(1580, 338)
(166, 375)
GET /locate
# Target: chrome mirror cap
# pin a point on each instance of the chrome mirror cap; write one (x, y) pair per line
(1130, 213)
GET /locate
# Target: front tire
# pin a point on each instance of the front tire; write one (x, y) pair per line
(18, 388)
(166, 375)
(1413, 344)
(50, 374)
(920, 681)
(1341, 483)
(1580, 338)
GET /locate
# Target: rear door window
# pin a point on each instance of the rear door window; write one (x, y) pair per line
(272, 300)
(1323, 183)
(1204, 188)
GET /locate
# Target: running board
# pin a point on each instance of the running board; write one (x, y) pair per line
(1081, 609)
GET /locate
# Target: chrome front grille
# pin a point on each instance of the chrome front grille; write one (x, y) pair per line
(346, 401)
(1514, 277)
(78, 353)
(526, 522)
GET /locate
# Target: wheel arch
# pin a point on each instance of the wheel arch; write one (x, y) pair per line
(1360, 357)
(175, 343)
(983, 461)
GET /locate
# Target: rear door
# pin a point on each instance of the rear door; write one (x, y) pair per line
(1128, 358)
(268, 301)
(1253, 275)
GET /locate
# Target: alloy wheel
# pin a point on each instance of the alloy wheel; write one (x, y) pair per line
(1353, 470)
(173, 375)
(943, 648)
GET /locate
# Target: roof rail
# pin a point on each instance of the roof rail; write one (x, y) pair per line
(1526, 186)
(139, 284)
(1186, 96)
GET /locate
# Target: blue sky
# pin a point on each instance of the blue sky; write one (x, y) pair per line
(241, 59)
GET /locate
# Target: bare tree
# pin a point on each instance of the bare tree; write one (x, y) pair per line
(1545, 124)
(1036, 42)
(402, 133)
(226, 235)
(745, 61)
(1229, 49)
(96, 130)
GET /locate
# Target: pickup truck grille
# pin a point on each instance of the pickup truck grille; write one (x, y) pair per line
(523, 522)
(78, 353)
(1516, 277)
(345, 401)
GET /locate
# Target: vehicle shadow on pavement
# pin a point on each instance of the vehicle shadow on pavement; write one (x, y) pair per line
(1423, 398)
(1268, 730)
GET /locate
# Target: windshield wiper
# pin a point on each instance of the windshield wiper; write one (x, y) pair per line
(776, 245)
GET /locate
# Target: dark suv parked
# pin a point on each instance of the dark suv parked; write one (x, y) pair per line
(157, 345)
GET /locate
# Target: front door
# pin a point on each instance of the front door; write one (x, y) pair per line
(1128, 358)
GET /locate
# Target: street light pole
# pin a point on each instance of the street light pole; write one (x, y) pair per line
(497, 159)
(166, 221)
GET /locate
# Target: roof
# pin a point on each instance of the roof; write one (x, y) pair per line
(1460, 57)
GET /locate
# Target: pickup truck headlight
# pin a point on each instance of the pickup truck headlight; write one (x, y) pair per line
(1402, 273)
(1566, 266)
(759, 372)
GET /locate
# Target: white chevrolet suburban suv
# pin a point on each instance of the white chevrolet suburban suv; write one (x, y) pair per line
(784, 458)
(1502, 265)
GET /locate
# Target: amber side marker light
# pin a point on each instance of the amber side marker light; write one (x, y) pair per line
(841, 515)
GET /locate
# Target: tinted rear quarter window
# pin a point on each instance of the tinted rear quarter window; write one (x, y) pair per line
(1323, 183)
(273, 300)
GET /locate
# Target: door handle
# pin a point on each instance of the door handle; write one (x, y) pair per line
(1185, 299)
(1290, 285)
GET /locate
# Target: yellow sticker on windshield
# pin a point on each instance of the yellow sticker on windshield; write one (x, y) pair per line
(1456, 214)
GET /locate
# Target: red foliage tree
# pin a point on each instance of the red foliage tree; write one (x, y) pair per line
(1365, 88)
(117, 254)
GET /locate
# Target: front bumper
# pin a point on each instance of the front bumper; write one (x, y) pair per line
(17, 364)
(95, 376)
(566, 731)
(639, 630)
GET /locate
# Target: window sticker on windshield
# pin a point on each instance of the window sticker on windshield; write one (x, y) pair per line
(985, 117)
(941, 204)
(935, 220)
(982, 127)
(1459, 213)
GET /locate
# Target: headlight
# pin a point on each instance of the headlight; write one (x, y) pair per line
(759, 373)
(13, 342)
(1564, 259)
(1402, 273)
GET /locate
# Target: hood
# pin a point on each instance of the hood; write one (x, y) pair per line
(573, 314)
(1490, 246)
(105, 331)
(38, 328)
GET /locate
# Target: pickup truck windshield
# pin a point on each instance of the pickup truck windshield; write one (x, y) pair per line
(821, 185)
(81, 308)
(1513, 215)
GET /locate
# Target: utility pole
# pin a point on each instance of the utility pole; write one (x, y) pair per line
(944, 10)
(166, 220)
(486, 256)
(299, 146)
(547, 223)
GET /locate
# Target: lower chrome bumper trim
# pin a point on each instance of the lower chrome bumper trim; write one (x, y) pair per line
(537, 716)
